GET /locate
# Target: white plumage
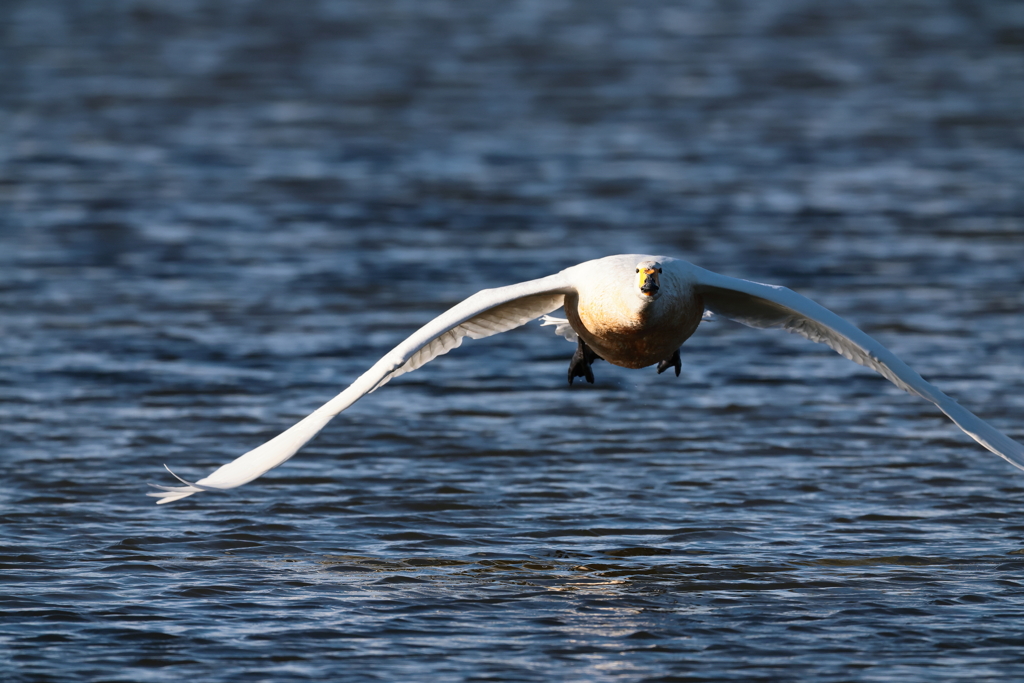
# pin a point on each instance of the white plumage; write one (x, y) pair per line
(608, 310)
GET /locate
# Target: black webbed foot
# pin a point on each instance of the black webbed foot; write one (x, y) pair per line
(673, 362)
(579, 366)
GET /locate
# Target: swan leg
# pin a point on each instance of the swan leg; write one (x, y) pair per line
(673, 362)
(579, 366)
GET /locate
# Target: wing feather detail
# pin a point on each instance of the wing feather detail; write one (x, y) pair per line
(499, 319)
(486, 313)
(769, 306)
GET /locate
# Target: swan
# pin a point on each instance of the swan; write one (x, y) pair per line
(631, 310)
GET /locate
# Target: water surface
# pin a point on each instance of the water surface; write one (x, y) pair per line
(216, 215)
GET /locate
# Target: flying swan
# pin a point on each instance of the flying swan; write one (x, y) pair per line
(631, 310)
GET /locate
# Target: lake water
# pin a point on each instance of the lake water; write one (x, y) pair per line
(214, 215)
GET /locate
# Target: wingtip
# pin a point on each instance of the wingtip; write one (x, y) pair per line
(171, 499)
(186, 483)
(169, 494)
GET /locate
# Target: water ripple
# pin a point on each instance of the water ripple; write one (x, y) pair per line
(216, 214)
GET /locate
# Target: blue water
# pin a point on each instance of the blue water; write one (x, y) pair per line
(214, 215)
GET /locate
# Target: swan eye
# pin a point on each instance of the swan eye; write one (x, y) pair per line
(638, 270)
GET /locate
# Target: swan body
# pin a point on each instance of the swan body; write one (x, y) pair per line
(632, 310)
(624, 325)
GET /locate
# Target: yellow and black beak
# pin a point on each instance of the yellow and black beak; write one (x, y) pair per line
(647, 280)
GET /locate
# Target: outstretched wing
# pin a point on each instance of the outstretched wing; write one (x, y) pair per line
(487, 312)
(766, 306)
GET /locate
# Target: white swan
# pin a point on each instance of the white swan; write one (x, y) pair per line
(631, 310)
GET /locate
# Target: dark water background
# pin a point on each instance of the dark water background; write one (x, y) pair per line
(215, 214)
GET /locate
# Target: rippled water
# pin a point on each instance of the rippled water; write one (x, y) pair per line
(217, 214)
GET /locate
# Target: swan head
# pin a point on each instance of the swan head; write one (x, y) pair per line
(648, 279)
